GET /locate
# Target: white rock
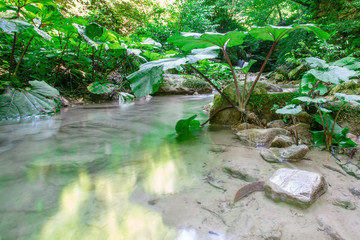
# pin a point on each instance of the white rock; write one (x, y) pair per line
(295, 186)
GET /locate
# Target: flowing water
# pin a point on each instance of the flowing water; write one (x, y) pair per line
(72, 176)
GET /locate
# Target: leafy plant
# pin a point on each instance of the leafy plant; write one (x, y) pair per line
(39, 99)
(184, 126)
(291, 110)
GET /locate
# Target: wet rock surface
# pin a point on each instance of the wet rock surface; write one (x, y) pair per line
(174, 84)
(293, 153)
(303, 131)
(260, 137)
(276, 124)
(297, 187)
(282, 142)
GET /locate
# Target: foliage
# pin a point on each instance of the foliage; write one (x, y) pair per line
(184, 126)
(39, 99)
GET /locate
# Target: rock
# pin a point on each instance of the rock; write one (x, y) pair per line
(278, 77)
(345, 203)
(295, 74)
(64, 102)
(282, 142)
(304, 117)
(293, 153)
(333, 234)
(294, 186)
(261, 102)
(260, 137)
(182, 84)
(244, 126)
(217, 149)
(207, 108)
(304, 134)
(245, 174)
(276, 124)
(350, 88)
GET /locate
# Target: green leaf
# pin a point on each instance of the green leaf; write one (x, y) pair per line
(189, 41)
(94, 31)
(313, 28)
(334, 75)
(246, 69)
(14, 25)
(344, 61)
(348, 98)
(316, 62)
(39, 100)
(99, 88)
(291, 109)
(183, 126)
(146, 81)
(269, 32)
(141, 76)
(42, 34)
(81, 30)
(125, 97)
(275, 33)
(311, 100)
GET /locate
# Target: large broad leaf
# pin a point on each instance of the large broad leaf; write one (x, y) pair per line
(275, 33)
(184, 126)
(13, 25)
(82, 32)
(39, 100)
(316, 62)
(307, 83)
(146, 81)
(311, 100)
(348, 98)
(334, 75)
(291, 109)
(344, 61)
(189, 41)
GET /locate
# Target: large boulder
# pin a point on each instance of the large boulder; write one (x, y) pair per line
(260, 137)
(350, 88)
(174, 84)
(261, 102)
(293, 153)
(293, 186)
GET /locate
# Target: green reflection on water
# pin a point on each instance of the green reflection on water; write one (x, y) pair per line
(78, 183)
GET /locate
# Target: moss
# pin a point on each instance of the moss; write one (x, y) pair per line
(350, 88)
(195, 83)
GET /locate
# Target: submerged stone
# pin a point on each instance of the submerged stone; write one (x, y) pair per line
(260, 137)
(297, 187)
(293, 153)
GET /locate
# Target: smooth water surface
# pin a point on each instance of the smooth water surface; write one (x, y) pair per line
(72, 176)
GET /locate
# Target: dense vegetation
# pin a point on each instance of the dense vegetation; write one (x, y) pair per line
(85, 48)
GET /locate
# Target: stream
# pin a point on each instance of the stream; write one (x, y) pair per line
(110, 171)
(72, 175)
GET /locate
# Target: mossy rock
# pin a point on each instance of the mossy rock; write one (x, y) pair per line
(261, 103)
(348, 117)
(350, 88)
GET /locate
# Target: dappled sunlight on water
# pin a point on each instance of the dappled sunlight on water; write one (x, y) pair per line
(74, 176)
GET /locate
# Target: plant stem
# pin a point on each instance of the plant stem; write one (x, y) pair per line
(324, 129)
(313, 88)
(260, 72)
(295, 130)
(216, 112)
(12, 54)
(336, 117)
(22, 55)
(96, 67)
(243, 93)
(233, 74)
(214, 86)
